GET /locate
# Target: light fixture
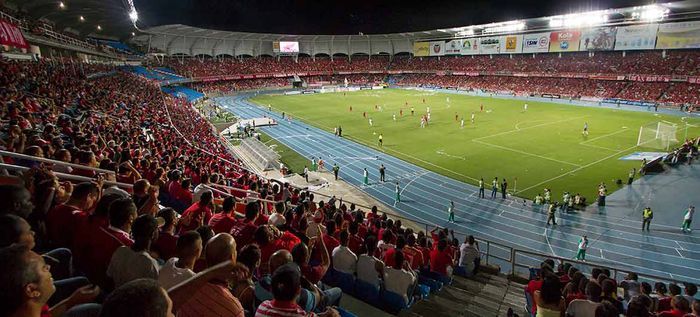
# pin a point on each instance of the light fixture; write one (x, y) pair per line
(133, 34)
(61, 5)
(503, 27)
(133, 15)
(651, 13)
(82, 18)
(579, 19)
(99, 28)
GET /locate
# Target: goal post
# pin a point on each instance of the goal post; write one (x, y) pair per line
(657, 135)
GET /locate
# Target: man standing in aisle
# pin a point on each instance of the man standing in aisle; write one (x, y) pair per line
(582, 246)
(504, 186)
(381, 173)
(481, 188)
(365, 175)
(494, 187)
(688, 219)
(451, 212)
(647, 215)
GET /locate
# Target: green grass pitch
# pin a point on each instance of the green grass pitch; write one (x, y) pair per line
(542, 147)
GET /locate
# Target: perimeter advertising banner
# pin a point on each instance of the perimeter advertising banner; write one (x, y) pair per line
(678, 35)
(490, 45)
(470, 46)
(453, 47)
(636, 37)
(536, 43)
(598, 39)
(437, 48)
(564, 41)
(421, 49)
(511, 44)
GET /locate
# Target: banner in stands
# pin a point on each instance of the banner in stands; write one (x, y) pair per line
(598, 39)
(453, 47)
(678, 35)
(536, 43)
(437, 48)
(636, 37)
(564, 41)
(470, 46)
(10, 35)
(511, 44)
(490, 45)
(421, 49)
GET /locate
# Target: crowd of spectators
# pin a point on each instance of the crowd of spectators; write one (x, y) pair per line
(162, 240)
(563, 290)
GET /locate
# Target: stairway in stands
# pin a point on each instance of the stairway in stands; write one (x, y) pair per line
(482, 295)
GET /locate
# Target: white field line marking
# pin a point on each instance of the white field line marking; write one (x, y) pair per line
(679, 253)
(679, 245)
(578, 169)
(412, 180)
(517, 125)
(605, 136)
(524, 153)
(527, 128)
(598, 147)
(549, 244)
(442, 152)
(601, 254)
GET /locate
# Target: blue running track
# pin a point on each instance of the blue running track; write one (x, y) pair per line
(615, 240)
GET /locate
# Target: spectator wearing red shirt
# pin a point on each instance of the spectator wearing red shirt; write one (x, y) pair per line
(61, 220)
(270, 240)
(302, 255)
(424, 249)
(166, 244)
(198, 214)
(440, 261)
(244, 231)
(410, 251)
(354, 241)
(679, 307)
(91, 226)
(224, 220)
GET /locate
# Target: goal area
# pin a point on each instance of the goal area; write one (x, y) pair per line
(657, 135)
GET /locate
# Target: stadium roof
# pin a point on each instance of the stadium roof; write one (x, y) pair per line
(384, 19)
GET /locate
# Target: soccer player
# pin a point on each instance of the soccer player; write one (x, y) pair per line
(481, 184)
(647, 215)
(461, 124)
(456, 117)
(451, 212)
(364, 114)
(482, 107)
(688, 219)
(370, 122)
(394, 117)
(473, 116)
(427, 109)
(365, 175)
(582, 246)
(350, 108)
(381, 140)
(382, 170)
(422, 122)
(401, 112)
(428, 119)
(412, 110)
(448, 99)
(398, 192)
(585, 128)
(423, 100)
(524, 107)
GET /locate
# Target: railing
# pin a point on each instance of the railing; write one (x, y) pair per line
(55, 162)
(71, 177)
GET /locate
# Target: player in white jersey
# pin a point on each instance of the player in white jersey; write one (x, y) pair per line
(585, 128)
(422, 122)
(370, 122)
(461, 124)
(394, 116)
(428, 116)
(525, 107)
(448, 99)
(473, 116)
(427, 109)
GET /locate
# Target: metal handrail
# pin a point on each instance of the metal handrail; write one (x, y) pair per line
(45, 160)
(4, 166)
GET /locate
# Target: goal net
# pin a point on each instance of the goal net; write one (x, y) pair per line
(657, 135)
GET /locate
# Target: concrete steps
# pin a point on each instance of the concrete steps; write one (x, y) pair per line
(481, 295)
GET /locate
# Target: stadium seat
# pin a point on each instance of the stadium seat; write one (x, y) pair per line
(368, 293)
(394, 303)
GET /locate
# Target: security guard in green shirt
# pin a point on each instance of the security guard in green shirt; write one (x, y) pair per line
(336, 169)
(646, 217)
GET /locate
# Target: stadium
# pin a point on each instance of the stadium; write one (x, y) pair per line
(226, 158)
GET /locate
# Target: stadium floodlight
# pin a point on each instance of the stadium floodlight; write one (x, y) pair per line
(579, 19)
(133, 15)
(503, 27)
(99, 28)
(82, 18)
(651, 13)
(61, 5)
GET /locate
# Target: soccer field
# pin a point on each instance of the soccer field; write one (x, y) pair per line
(542, 147)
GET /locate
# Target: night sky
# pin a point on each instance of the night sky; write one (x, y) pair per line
(351, 17)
